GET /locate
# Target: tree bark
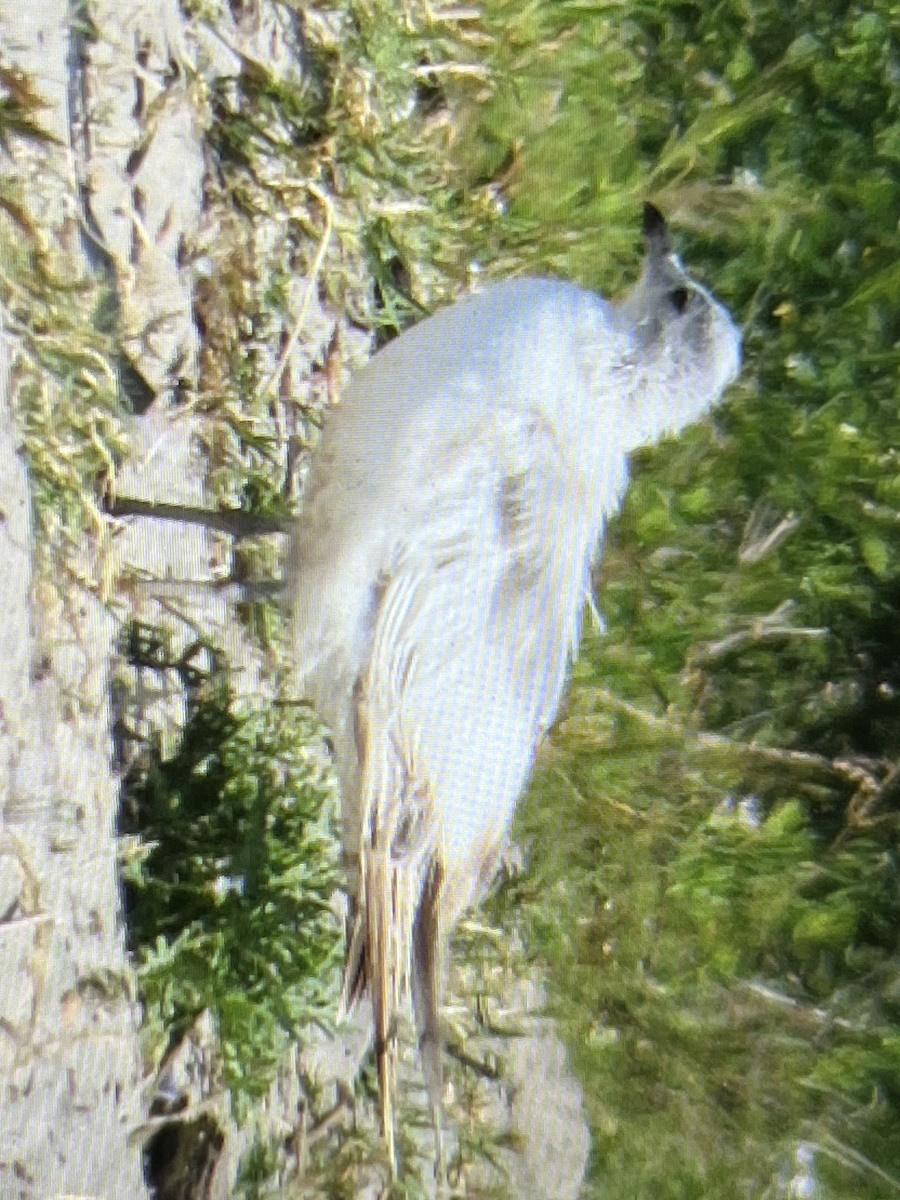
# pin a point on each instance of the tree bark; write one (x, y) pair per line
(129, 191)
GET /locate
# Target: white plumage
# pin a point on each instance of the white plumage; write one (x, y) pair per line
(438, 573)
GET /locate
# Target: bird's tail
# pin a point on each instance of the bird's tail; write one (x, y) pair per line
(397, 936)
(396, 940)
(386, 959)
(429, 953)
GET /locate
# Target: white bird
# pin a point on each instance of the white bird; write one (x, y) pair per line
(437, 576)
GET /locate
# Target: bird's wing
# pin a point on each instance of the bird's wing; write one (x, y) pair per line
(477, 615)
(477, 618)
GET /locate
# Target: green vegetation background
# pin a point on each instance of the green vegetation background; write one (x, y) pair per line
(713, 835)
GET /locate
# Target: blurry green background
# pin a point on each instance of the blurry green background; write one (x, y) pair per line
(713, 835)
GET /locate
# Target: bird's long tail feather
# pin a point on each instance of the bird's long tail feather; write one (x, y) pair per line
(384, 969)
(427, 978)
(403, 944)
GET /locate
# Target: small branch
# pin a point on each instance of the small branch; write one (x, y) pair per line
(772, 628)
(875, 802)
(238, 524)
(847, 1156)
(814, 764)
(483, 1069)
(819, 1017)
(232, 590)
(717, 652)
(8, 923)
(139, 1134)
(620, 805)
(311, 284)
(759, 542)
(469, 70)
(303, 1137)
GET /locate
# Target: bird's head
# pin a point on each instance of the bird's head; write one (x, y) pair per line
(682, 347)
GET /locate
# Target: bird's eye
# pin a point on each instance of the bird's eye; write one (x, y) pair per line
(679, 298)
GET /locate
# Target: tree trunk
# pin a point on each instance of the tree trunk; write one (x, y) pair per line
(130, 194)
(70, 1092)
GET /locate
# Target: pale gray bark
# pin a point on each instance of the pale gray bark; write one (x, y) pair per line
(123, 192)
(70, 1088)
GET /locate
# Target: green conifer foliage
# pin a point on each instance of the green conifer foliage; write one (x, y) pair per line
(230, 904)
(714, 831)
